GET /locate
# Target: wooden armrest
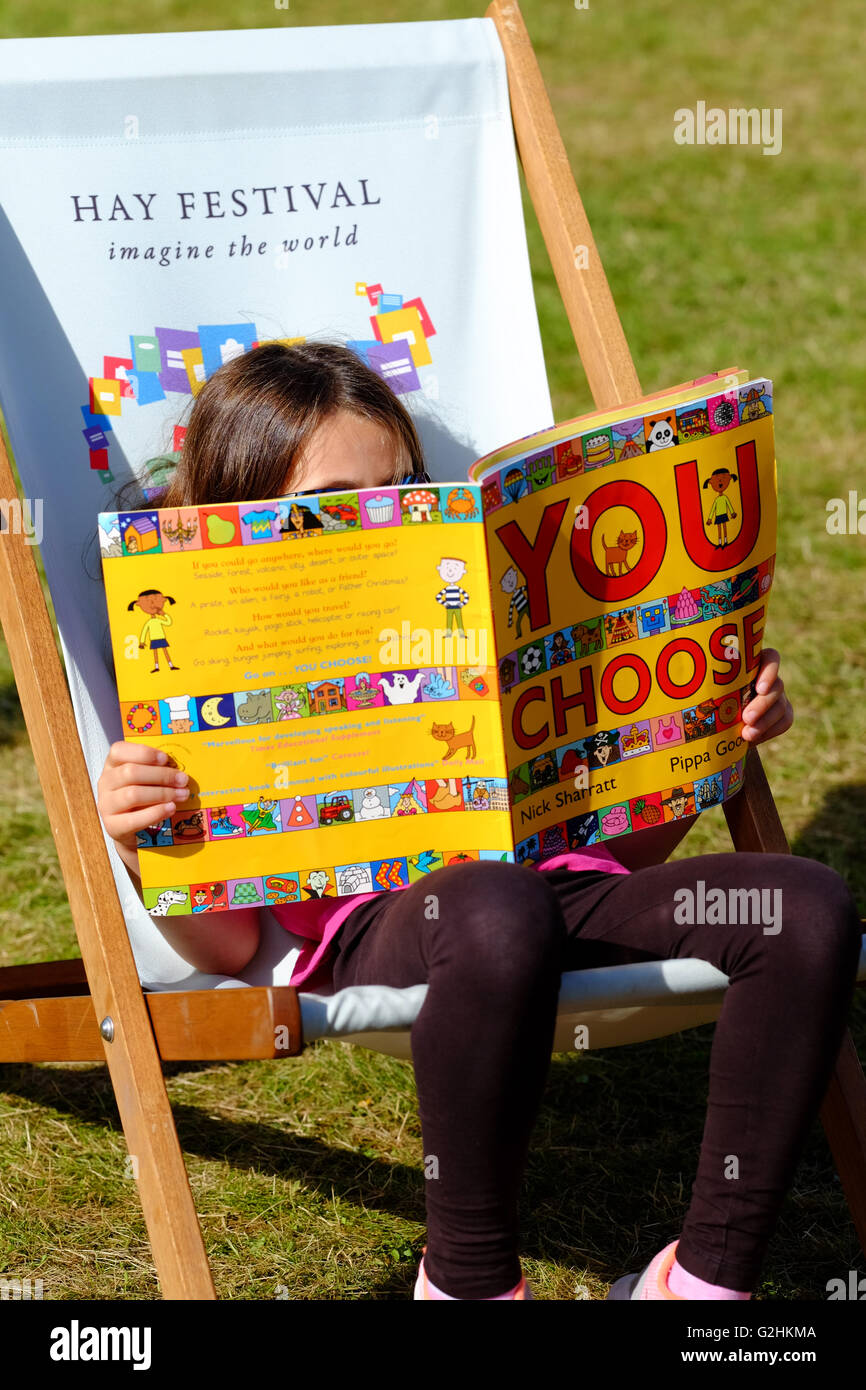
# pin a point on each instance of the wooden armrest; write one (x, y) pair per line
(189, 1026)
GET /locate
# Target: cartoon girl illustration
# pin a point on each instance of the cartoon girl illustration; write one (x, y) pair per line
(560, 652)
(300, 521)
(722, 509)
(152, 602)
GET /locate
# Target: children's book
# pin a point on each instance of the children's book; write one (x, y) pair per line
(364, 686)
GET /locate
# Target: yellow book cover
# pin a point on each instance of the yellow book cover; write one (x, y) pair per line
(365, 686)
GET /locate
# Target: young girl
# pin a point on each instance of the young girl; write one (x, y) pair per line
(280, 420)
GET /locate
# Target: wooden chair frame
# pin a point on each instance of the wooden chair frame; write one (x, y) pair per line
(94, 1008)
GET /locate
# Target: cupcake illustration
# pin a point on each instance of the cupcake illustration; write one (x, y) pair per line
(379, 509)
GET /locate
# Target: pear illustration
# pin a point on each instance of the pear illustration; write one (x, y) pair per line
(219, 530)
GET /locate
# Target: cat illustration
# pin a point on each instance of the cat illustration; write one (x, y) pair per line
(618, 554)
(446, 733)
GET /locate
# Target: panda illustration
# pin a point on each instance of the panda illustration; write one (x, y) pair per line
(662, 433)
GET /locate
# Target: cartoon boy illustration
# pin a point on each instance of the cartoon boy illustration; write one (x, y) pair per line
(203, 900)
(722, 509)
(152, 602)
(519, 598)
(452, 597)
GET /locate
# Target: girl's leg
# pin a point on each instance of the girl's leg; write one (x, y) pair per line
(777, 1036)
(489, 939)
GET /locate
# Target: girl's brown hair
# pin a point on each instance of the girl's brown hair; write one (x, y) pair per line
(251, 420)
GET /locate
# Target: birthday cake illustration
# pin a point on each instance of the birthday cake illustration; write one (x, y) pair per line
(597, 450)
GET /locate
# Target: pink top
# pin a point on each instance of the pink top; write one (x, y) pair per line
(320, 919)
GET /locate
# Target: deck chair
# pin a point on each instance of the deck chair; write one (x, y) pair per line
(465, 92)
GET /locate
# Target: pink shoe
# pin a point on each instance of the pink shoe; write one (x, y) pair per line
(422, 1286)
(649, 1283)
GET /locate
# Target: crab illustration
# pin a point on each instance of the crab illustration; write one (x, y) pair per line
(460, 505)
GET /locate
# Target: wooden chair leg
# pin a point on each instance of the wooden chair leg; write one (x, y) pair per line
(843, 1115)
(752, 814)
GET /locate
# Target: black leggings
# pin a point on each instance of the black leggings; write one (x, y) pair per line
(492, 939)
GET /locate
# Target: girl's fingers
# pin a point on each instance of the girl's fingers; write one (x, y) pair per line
(769, 712)
(777, 720)
(758, 707)
(767, 671)
(143, 774)
(123, 752)
(132, 821)
(137, 764)
(139, 787)
(130, 798)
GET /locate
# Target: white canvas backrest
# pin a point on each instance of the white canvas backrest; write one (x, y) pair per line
(311, 170)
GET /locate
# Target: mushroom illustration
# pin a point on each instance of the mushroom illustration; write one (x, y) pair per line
(419, 504)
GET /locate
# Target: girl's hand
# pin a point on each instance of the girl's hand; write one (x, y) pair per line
(138, 787)
(770, 712)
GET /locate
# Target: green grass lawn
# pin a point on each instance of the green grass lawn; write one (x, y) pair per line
(308, 1174)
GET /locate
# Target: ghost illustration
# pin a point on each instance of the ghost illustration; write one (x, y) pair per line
(402, 690)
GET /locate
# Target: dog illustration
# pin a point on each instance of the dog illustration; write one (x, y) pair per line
(166, 900)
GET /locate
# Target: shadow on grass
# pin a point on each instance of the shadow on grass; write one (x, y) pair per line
(835, 836)
(576, 1190)
(86, 1095)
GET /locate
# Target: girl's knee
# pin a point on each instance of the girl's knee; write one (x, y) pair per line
(502, 917)
(818, 903)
